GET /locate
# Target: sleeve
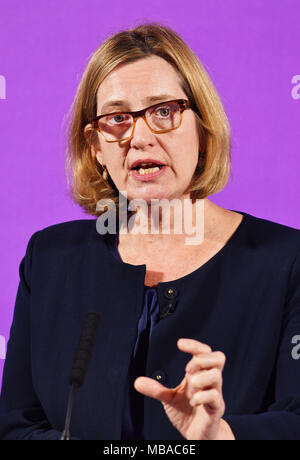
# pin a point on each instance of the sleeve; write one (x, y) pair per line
(282, 419)
(21, 414)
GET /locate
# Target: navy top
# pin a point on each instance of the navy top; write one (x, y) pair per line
(244, 301)
(133, 421)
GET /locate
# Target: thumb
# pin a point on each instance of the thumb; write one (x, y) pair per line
(154, 389)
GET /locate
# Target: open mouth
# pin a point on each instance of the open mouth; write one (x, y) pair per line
(147, 168)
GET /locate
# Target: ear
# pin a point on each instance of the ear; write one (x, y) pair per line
(88, 132)
(92, 139)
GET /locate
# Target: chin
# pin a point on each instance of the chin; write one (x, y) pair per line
(154, 196)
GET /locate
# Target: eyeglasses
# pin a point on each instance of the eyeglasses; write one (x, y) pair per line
(160, 118)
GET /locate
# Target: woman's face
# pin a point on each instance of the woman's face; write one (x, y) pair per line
(135, 83)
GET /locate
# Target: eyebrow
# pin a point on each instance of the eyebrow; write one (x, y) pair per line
(122, 103)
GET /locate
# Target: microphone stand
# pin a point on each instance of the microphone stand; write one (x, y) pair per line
(66, 433)
(80, 364)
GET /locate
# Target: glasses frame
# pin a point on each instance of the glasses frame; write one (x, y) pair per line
(183, 105)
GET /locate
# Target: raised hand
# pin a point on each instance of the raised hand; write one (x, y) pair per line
(196, 406)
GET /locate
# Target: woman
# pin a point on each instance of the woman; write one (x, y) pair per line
(171, 313)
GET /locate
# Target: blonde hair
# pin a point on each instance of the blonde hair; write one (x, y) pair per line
(213, 168)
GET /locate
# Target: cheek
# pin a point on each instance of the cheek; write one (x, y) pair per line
(191, 134)
(111, 156)
(186, 153)
(116, 166)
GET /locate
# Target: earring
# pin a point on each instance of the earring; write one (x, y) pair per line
(105, 173)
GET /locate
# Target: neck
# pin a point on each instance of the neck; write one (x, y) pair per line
(177, 222)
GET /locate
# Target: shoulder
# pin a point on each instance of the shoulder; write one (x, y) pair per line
(268, 230)
(69, 228)
(51, 247)
(271, 238)
(63, 236)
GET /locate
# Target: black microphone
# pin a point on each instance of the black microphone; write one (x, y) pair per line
(80, 363)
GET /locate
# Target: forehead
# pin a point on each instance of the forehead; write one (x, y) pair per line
(134, 83)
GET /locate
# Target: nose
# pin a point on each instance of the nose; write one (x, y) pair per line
(142, 134)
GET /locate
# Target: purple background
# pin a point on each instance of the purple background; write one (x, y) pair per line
(250, 49)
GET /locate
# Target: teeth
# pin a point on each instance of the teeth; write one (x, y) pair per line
(148, 170)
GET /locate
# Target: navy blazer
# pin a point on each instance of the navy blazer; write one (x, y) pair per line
(245, 301)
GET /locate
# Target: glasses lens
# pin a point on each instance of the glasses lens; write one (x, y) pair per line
(117, 126)
(164, 116)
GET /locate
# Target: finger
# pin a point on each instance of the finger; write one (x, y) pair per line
(204, 380)
(211, 399)
(193, 346)
(206, 361)
(150, 387)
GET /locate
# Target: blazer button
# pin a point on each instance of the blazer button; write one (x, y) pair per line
(171, 292)
(160, 376)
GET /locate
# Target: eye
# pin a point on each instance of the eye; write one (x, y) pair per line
(117, 119)
(163, 111)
